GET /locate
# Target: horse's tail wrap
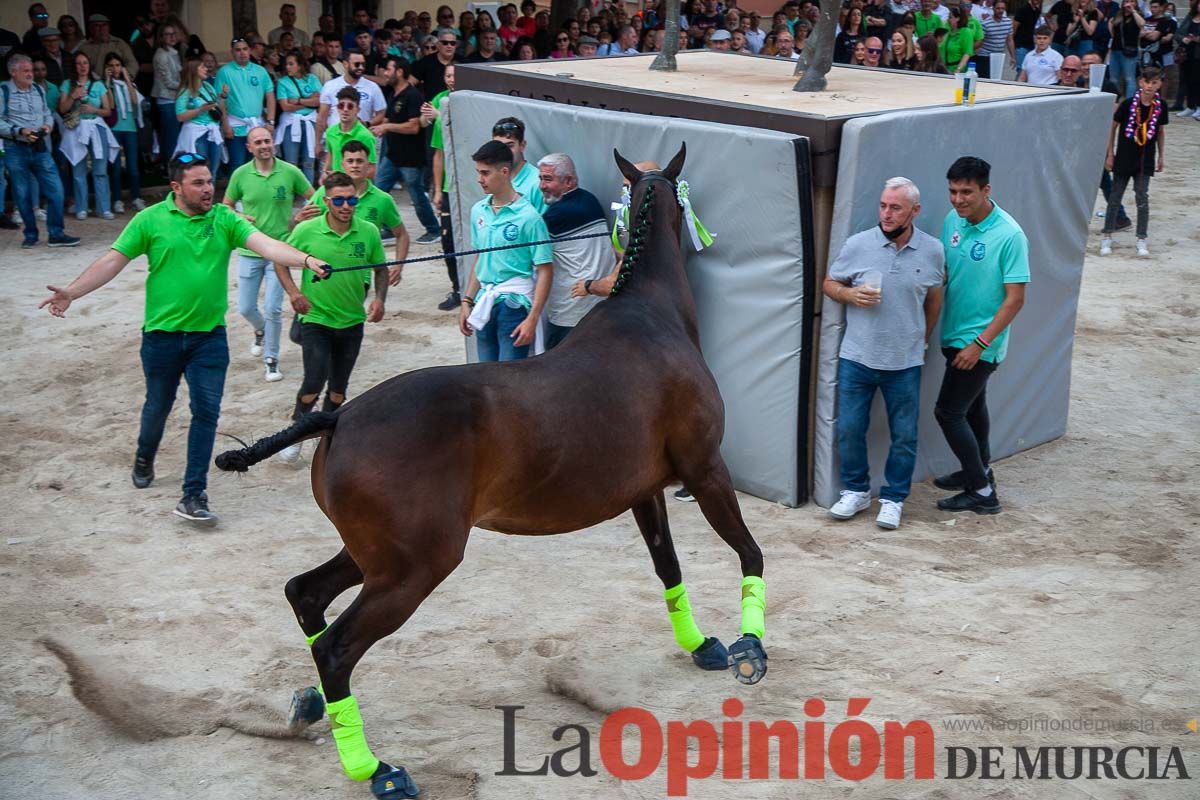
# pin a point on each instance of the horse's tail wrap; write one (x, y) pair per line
(307, 427)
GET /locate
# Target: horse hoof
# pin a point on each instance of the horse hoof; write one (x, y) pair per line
(389, 783)
(308, 706)
(748, 660)
(711, 655)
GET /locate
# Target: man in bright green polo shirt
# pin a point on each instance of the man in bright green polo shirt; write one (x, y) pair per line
(332, 315)
(525, 177)
(251, 99)
(349, 128)
(266, 188)
(187, 241)
(503, 301)
(927, 20)
(987, 267)
(441, 188)
(374, 205)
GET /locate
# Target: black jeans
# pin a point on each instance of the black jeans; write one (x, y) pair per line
(961, 411)
(448, 241)
(329, 356)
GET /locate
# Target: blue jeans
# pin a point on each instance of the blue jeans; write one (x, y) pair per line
(495, 342)
(297, 153)
(238, 154)
(129, 154)
(29, 167)
(1123, 70)
(168, 129)
(99, 170)
(1082, 47)
(251, 271)
(201, 359)
(414, 182)
(555, 334)
(901, 396)
(1020, 56)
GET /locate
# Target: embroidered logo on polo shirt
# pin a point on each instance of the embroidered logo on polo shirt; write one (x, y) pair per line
(254, 80)
(479, 222)
(206, 232)
(359, 250)
(955, 238)
(510, 232)
(281, 193)
(978, 251)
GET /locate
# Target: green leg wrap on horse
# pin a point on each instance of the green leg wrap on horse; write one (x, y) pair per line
(687, 633)
(315, 636)
(754, 605)
(358, 762)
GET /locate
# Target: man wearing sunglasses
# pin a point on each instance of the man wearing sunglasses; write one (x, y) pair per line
(349, 127)
(369, 99)
(187, 241)
(429, 73)
(332, 315)
(874, 51)
(266, 187)
(39, 18)
(250, 101)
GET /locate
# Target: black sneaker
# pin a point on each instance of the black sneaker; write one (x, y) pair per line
(29, 243)
(970, 501)
(429, 238)
(954, 482)
(452, 301)
(684, 496)
(195, 510)
(64, 241)
(143, 472)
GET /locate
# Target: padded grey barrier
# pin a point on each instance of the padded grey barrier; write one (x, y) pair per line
(750, 286)
(1046, 156)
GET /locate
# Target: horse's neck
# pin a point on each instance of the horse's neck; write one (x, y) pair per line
(659, 281)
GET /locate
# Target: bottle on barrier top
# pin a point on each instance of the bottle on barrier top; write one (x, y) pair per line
(970, 83)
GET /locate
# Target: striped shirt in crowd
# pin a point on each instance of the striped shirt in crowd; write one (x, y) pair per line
(995, 35)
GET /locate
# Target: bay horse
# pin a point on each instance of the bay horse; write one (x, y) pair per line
(406, 469)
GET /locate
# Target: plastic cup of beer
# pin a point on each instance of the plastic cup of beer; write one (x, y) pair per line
(873, 279)
(996, 65)
(1096, 77)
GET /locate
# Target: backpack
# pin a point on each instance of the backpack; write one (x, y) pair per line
(5, 91)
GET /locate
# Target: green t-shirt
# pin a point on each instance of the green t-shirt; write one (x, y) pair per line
(52, 95)
(95, 95)
(298, 89)
(529, 184)
(248, 87)
(980, 260)
(435, 137)
(926, 25)
(337, 301)
(516, 222)
(374, 205)
(188, 284)
(267, 198)
(959, 43)
(336, 138)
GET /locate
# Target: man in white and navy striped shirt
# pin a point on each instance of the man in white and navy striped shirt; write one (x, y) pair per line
(997, 38)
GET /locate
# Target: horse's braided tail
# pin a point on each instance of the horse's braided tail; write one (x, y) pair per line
(307, 427)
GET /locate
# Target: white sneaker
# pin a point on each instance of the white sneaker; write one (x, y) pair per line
(80, 215)
(119, 207)
(256, 349)
(850, 504)
(273, 373)
(1106, 246)
(107, 215)
(139, 204)
(1197, 113)
(1142, 249)
(1187, 112)
(889, 514)
(291, 453)
(40, 214)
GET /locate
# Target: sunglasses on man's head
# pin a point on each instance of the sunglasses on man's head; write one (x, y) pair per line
(344, 201)
(505, 127)
(236, 42)
(191, 158)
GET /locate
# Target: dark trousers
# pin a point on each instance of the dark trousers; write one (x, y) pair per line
(961, 411)
(329, 357)
(1141, 193)
(448, 241)
(201, 359)
(1189, 80)
(555, 334)
(1106, 190)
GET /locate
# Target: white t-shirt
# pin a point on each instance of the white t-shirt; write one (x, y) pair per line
(370, 98)
(1041, 68)
(943, 12)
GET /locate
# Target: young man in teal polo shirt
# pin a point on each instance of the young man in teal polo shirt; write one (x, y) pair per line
(250, 102)
(503, 300)
(987, 267)
(525, 177)
(187, 241)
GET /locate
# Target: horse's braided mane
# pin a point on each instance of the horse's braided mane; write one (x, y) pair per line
(637, 238)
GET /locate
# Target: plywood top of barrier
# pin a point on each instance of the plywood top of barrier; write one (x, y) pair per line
(767, 83)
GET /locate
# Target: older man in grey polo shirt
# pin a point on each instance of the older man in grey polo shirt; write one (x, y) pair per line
(890, 280)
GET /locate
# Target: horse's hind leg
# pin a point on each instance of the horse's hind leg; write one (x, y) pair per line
(713, 490)
(651, 517)
(396, 582)
(310, 595)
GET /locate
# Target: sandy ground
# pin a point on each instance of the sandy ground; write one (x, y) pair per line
(1078, 602)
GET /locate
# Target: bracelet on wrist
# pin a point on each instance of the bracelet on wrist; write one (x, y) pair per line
(982, 343)
(469, 301)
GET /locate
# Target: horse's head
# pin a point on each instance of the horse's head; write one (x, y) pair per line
(640, 181)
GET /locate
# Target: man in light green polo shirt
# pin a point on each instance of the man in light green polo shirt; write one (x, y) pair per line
(987, 267)
(503, 301)
(349, 128)
(374, 205)
(251, 100)
(187, 241)
(525, 178)
(266, 188)
(331, 310)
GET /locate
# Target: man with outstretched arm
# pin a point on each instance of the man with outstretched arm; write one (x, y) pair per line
(187, 241)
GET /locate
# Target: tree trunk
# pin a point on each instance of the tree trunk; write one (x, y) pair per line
(665, 61)
(817, 56)
(245, 17)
